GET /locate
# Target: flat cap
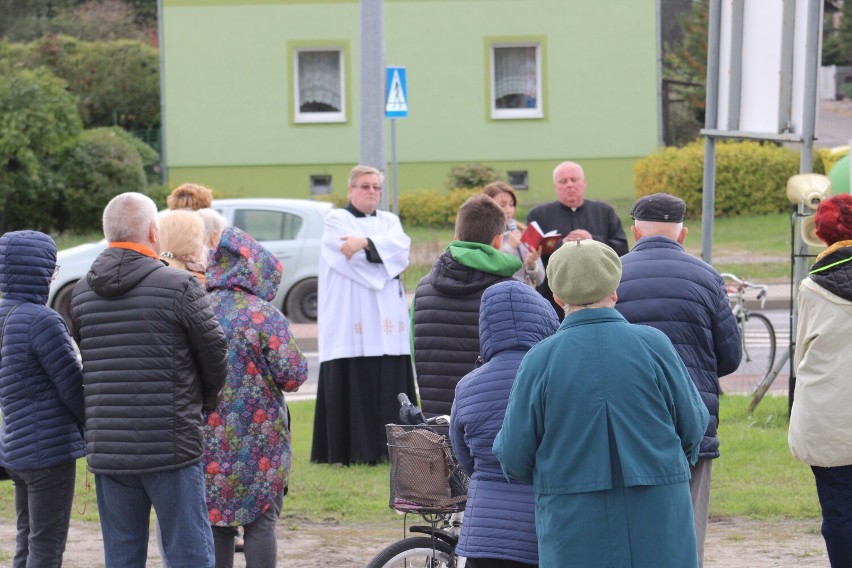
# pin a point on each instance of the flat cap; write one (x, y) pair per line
(583, 272)
(659, 207)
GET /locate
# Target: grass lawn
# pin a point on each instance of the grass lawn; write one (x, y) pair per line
(756, 247)
(755, 478)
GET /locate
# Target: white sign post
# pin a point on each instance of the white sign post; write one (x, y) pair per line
(396, 106)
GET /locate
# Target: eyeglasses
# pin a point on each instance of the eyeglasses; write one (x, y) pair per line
(368, 187)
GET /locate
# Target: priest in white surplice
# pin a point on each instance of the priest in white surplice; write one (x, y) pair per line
(364, 348)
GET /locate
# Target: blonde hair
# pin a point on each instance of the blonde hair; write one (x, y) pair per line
(359, 171)
(190, 196)
(182, 238)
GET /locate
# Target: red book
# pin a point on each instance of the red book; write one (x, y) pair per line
(534, 237)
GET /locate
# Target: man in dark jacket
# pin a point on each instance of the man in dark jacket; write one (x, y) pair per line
(154, 357)
(684, 297)
(575, 217)
(446, 302)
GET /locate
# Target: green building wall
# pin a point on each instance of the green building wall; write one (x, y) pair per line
(229, 118)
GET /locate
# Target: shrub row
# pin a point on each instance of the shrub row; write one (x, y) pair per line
(430, 208)
(751, 177)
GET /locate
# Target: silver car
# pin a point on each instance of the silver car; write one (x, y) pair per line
(289, 228)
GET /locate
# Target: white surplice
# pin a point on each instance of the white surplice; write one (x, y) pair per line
(363, 311)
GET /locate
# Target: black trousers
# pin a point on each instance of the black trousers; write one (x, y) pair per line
(834, 488)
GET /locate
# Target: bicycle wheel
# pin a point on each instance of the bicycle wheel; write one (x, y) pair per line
(415, 551)
(758, 347)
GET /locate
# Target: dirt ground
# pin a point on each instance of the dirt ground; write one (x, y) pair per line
(731, 543)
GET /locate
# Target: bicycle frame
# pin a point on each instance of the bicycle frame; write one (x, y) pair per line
(741, 313)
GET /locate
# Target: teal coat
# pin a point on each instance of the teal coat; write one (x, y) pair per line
(605, 408)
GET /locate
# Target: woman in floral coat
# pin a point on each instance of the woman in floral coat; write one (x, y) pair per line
(247, 452)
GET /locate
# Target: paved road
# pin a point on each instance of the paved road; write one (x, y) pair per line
(747, 376)
(834, 124)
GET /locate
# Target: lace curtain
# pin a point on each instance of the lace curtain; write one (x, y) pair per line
(515, 80)
(319, 81)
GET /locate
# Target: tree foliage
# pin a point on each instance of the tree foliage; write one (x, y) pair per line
(116, 82)
(29, 20)
(837, 40)
(686, 61)
(38, 120)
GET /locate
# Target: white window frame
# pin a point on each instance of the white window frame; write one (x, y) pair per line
(322, 117)
(515, 113)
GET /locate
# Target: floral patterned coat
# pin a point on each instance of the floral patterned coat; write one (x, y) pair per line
(247, 452)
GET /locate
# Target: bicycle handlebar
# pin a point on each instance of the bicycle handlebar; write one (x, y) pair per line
(743, 285)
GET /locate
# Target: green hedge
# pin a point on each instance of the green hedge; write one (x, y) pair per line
(750, 177)
(103, 163)
(431, 208)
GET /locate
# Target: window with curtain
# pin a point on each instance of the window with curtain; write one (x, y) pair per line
(516, 81)
(319, 85)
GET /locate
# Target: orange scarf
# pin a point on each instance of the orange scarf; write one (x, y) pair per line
(141, 249)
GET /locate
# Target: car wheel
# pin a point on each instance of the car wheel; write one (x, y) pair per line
(62, 303)
(301, 303)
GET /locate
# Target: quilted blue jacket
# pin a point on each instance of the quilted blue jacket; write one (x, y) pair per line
(41, 382)
(684, 297)
(499, 520)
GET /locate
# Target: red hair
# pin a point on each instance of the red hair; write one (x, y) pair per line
(834, 219)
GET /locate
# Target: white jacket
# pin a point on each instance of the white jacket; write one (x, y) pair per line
(821, 422)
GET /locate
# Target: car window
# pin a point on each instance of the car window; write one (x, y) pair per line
(265, 225)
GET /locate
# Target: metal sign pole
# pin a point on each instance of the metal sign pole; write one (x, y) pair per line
(371, 135)
(396, 106)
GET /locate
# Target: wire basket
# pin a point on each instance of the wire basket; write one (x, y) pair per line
(424, 474)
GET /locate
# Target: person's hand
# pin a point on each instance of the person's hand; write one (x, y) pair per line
(577, 235)
(532, 256)
(351, 245)
(515, 238)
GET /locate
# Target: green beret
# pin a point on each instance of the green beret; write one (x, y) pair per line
(583, 272)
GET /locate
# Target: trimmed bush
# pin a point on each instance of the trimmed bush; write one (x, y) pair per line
(470, 176)
(38, 120)
(430, 208)
(750, 177)
(102, 164)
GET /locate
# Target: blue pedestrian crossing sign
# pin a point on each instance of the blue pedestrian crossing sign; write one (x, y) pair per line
(396, 93)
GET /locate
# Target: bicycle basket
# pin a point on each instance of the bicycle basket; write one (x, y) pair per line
(424, 474)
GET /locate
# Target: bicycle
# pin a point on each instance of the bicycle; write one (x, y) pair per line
(425, 480)
(758, 335)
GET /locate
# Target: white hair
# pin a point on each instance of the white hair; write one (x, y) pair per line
(214, 224)
(658, 229)
(128, 217)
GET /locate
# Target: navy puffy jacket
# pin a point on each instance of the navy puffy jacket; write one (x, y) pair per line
(41, 383)
(499, 519)
(684, 297)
